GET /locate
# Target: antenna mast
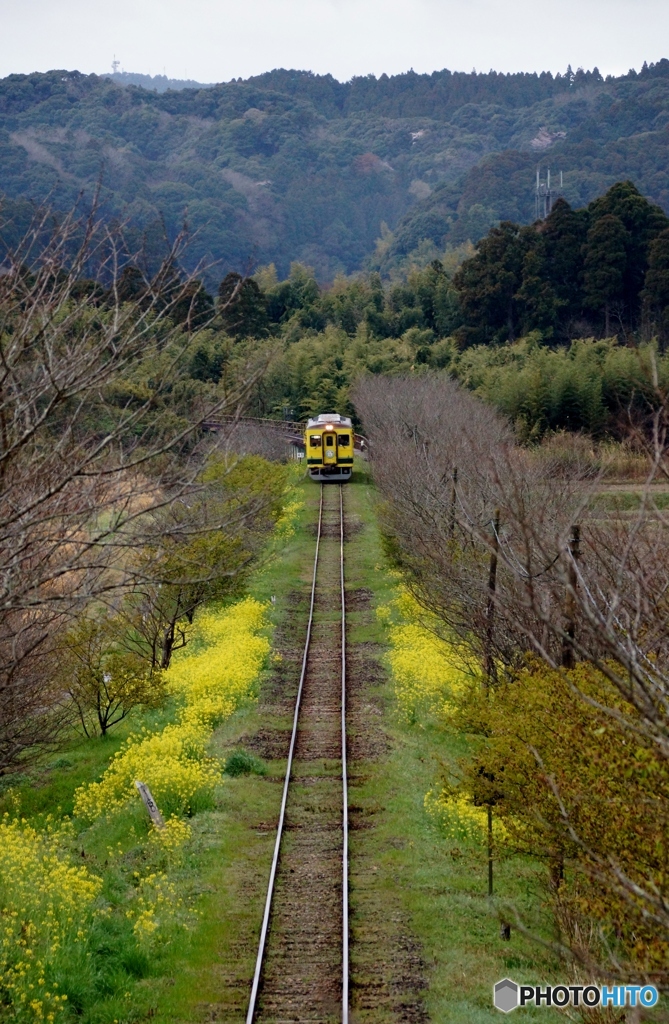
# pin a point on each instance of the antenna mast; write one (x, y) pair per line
(545, 195)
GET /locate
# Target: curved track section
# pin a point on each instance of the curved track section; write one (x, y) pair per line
(301, 972)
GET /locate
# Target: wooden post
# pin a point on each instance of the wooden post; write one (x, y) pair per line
(489, 849)
(568, 658)
(150, 804)
(489, 667)
(454, 484)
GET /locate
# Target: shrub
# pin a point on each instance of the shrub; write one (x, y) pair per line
(243, 763)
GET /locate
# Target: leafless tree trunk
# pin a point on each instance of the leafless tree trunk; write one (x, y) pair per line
(573, 583)
(93, 443)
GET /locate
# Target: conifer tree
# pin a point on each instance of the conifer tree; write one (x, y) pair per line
(605, 265)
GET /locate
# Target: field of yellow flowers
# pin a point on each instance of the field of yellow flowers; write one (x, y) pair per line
(55, 909)
(431, 678)
(89, 902)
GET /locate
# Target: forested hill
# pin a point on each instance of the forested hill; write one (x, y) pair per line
(294, 166)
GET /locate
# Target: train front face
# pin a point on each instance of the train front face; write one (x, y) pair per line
(328, 442)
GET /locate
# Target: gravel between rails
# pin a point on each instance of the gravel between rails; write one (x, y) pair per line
(302, 973)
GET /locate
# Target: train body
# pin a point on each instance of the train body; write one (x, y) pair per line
(329, 442)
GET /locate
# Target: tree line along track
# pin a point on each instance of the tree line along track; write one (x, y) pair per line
(301, 970)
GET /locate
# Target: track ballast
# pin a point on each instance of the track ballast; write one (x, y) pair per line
(301, 970)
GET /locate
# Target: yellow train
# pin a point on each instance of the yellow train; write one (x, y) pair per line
(328, 442)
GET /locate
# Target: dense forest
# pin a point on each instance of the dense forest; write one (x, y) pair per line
(558, 324)
(339, 176)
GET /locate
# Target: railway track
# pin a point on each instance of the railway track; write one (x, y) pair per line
(302, 965)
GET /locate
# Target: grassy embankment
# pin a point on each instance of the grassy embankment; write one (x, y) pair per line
(411, 886)
(403, 866)
(441, 883)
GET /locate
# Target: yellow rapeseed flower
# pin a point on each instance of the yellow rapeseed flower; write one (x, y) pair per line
(210, 680)
(45, 900)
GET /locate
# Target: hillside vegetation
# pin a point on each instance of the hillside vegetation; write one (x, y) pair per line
(294, 166)
(556, 323)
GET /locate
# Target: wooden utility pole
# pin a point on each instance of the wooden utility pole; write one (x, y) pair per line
(454, 484)
(568, 658)
(489, 667)
(489, 849)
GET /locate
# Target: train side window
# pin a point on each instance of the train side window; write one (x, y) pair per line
(344, 440)
(315, 440)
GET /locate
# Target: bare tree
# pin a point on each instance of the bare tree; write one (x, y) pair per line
(99, 430)
(515, 556)
(202, 551)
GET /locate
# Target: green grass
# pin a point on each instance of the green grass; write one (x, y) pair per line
(48, 786)
(417, 887)
(629, 501)
(440, 885)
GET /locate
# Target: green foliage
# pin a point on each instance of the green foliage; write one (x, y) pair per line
(584, 794)
(241, 762)
(105, 680)
(591, 386)
(291, 165)
(566, 275)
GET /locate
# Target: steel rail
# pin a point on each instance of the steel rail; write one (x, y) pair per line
(277, 846)
(284, 798)
(344, 774)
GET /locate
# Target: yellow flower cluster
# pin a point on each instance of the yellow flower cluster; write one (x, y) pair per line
(173, 763)
(46, 903)
(285, 524)
(172, 837)
(430, 677)
(156, 906)
(427, 674)
(460, 819)
(218, 673)
(210, 680)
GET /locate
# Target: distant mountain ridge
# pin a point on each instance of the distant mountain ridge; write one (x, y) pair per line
(155, 83)
(290, 165)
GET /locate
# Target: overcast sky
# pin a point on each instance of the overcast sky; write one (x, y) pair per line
(215, 40)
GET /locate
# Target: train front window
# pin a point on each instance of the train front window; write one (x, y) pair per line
(329, 440)
(344, 440)
(315, 440)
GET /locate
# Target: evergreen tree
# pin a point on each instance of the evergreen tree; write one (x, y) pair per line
(564, 233)
(605, 265)
(242, 307)
(643, 222)
(194, 307)
(537, 301)
(132, 285)
(487, 284)
(656, 291)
